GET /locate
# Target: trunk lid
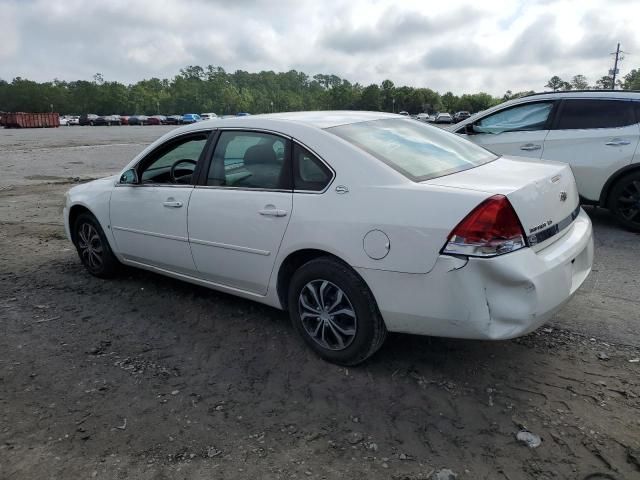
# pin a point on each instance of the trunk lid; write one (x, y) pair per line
(543, 194)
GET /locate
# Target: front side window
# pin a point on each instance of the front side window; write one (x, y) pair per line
(309, 173)
(584, 114)
(174, 162)
(250, 160)
(532, 116)
(416, 150)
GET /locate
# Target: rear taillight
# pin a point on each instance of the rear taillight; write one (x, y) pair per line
(491, 229)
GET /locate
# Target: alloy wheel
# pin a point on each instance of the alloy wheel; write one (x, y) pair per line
(327, 315)
(90, 246)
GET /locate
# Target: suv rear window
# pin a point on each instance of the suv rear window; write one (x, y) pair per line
(584, 114)
(416, 150)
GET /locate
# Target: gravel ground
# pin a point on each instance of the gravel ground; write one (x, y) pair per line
(149, 377)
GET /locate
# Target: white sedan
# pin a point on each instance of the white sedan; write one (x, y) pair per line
(357, 223)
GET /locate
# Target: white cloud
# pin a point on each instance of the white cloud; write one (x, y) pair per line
(458, 45)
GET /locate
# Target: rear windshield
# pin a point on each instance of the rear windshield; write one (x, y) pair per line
(416, 150)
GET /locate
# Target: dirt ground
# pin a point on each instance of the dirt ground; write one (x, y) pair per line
(148, 377)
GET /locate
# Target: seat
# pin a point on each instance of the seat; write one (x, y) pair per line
(261, 162)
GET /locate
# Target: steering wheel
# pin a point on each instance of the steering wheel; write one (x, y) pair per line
(172, 172)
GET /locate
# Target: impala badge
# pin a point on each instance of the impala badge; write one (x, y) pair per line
(563, 196)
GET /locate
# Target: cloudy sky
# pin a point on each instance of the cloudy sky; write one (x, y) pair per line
(462, 46)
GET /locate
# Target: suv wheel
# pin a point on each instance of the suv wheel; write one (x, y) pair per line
(624, 201)
(335, 313)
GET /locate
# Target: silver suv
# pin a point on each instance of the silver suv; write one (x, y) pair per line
(596, 132)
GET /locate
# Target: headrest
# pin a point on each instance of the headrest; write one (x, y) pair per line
(261, 153)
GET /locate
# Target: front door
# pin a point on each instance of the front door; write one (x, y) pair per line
(148, 208)
(237, 221)
(518, 130)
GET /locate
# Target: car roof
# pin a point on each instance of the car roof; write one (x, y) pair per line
(319, 119)
(635, 94)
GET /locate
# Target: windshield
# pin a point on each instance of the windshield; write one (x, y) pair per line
(416, 150)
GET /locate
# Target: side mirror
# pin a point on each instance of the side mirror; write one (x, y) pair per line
(469, 130)
(130, 177)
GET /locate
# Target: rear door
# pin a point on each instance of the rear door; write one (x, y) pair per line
(517, 130)
(238, 219)
(597, 137)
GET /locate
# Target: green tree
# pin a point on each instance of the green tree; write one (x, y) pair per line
(632, 80)
(370, 98)
(449, 102)
(604, 83)
(555, 83)
(579, 82)
(388, 95)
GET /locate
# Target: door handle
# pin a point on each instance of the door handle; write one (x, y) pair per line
(272, 212)
(616, 142)
(530, 147)
(170, 203)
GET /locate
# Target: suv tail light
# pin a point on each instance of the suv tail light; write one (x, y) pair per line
(492, 228)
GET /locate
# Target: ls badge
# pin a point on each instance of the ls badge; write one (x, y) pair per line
(563, 196)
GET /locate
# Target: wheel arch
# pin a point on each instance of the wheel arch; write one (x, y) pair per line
(611, 181)
(74, 212)
(295, 260)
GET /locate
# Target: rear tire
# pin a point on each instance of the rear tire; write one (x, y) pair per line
(624, 201)
(93, 248)
(334, 312)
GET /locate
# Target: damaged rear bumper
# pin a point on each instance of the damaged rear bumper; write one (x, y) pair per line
(494, 298)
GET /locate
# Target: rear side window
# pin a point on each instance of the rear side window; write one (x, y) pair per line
(528, 117)
(309, 173)
(250, 160)
(416, 150)
(584, 114)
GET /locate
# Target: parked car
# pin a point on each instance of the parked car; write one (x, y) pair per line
(174, 120)
(423, 117)
(191, 118)
(340, 231)
(242, 114)
(156, 120)
(124, 119)
(73, 120)
(64, 121)
(138, 120)
(87, 119)
(208, 116)
(459, 116)
(596, 132)
(443, 118)
(108, 120)
(404, 112)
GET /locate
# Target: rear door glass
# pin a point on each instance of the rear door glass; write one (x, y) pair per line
(586, 114)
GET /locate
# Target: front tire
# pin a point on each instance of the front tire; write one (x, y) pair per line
(93, 248)
(335, 313)
(624, 201)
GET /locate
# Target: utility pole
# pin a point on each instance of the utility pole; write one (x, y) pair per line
(614, 72)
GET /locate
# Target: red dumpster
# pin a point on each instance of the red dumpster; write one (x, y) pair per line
(31, 120)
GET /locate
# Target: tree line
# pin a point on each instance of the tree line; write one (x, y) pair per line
(630, 81)
(211, 89)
